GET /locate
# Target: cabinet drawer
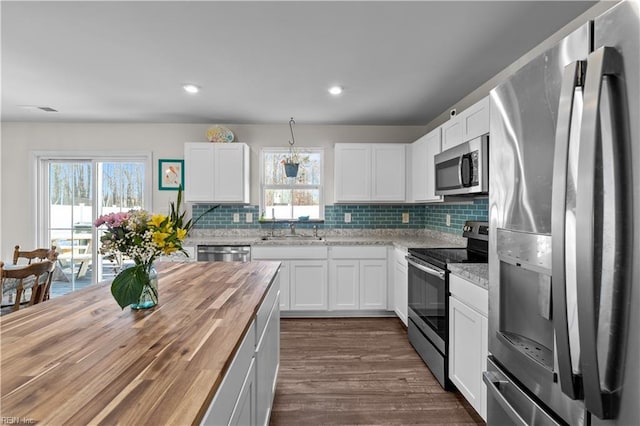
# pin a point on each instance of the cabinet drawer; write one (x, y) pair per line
(224, 401)
(288, 252)
(267, 305)
(469, 293)
(359, 252)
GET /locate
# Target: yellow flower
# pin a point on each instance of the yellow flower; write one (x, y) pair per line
(181, 233)
(170, 248)
(156, 220)
(159, 237)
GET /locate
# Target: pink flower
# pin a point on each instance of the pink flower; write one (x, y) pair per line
(112, 220)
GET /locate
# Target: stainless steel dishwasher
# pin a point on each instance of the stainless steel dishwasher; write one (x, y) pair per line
(214, 253)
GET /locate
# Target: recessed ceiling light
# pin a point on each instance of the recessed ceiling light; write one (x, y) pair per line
(191, 88)
(335, 90)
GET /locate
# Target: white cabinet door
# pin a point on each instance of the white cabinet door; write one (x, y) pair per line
(475, 120)
(467, 357)
(373, 284)
(231, 172)
(216, 172)
(388, 172)
(244, 413)
(344, 284)
(308, 285)
(401, 286)
(451, 133)
(352, 174)
(198, 174)
(284, 285)
(422, 167)
(267, 361)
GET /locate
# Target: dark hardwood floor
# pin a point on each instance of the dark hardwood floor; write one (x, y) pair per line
(359, 371)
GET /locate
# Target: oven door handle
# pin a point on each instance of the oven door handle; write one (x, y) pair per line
(430, 271)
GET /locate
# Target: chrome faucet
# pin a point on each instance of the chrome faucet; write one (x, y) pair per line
(292, 226)
(315, 231)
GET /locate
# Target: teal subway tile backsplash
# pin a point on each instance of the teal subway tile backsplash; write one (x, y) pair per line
(363, 216)
(435, 217)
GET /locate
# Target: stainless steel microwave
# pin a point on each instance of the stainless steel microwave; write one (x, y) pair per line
(463, 169)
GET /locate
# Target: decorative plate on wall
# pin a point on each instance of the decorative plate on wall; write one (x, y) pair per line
(219, 134)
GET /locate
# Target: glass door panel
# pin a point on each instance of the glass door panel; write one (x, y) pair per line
(121, 188)
(70, 223)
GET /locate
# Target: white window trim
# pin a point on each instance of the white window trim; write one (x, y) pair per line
(320, 186)
(41, 181)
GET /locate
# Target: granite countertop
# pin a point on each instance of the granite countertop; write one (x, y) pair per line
(476, 273)
(402, 241)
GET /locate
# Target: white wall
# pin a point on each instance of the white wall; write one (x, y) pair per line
(18, 210)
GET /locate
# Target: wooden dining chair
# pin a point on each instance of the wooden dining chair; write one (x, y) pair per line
(39, 254)
(36, 275)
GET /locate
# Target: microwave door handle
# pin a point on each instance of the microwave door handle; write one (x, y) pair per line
(426, 269)
(460, 182)
(570, 83)
(603, 300)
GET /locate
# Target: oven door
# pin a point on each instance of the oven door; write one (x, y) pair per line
(428, 301)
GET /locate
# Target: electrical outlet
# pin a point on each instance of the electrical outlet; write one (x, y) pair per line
(448, 219)
(347, 218)
(405, 217)
(249, 218)
(236, 217)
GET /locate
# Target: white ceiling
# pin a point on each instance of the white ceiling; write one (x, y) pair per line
(400, 63)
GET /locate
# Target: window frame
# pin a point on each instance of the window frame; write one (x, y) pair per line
(292, 186)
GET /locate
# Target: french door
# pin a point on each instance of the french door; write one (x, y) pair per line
(73, 193)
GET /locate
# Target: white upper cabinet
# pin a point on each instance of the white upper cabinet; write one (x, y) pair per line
(352, 175)
(451, 133)
(422, 175)
(216, 172)
(467, 125)
(475, 120)
(369, 172)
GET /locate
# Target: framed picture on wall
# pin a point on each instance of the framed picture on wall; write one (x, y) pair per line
(170, 174)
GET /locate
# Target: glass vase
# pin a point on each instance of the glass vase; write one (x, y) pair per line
(149, 297)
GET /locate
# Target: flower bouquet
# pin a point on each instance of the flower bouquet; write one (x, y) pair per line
(142, 237)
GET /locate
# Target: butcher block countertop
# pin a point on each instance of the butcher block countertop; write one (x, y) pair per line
(79, 359)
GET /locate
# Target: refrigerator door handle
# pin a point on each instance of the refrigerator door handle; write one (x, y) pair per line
(571, 80)
(494, 384)
(603, 244)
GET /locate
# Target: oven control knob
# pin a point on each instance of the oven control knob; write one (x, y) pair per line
(466, 228)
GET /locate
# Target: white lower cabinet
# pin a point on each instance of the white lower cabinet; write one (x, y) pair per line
(358, 278)
(468, 341)
(244, 413)
(246, 392)
(303, 275)
(344, 284)
(267, 360)
(401, 284)
(308, 285)
(335, 278)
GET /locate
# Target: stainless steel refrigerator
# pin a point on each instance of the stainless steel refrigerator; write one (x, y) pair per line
(564, 248)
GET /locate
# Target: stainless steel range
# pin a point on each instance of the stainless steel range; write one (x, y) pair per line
(428, 325)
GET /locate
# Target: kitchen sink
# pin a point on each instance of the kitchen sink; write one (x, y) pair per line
(294, 237)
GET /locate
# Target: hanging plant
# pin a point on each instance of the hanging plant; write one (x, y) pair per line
(291, 162)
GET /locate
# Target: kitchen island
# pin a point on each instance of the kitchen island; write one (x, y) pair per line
(79, 359)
